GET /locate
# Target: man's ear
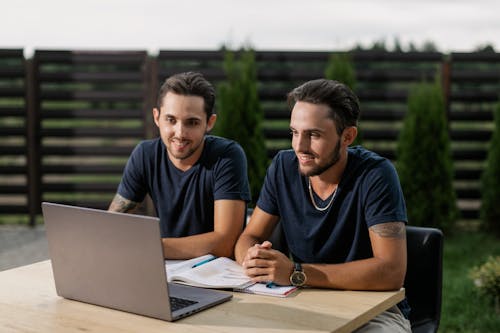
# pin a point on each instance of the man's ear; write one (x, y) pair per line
(156, 116)
(349, 135)
(211, 122)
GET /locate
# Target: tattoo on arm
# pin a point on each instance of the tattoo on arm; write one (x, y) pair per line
(390, 230)
(122, 205)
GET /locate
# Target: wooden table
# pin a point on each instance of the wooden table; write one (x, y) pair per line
(28, 303)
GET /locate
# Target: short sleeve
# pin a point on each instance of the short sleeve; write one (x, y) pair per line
(231, 177)
(267, 199)
(383, 196)
(133, 183)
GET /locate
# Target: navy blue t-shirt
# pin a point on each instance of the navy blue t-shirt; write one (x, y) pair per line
(184, 200)
(369, 193)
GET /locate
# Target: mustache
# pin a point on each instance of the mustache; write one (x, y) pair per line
(307, 152)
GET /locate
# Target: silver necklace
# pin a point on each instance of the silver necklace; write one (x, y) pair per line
(321, 209)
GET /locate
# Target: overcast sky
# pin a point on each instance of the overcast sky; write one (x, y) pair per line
(322, 25)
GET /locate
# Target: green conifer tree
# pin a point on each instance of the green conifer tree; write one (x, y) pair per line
(340, 68)
(424, 160)
(490, 182)
(240, 116)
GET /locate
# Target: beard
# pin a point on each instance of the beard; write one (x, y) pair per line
(333, 158)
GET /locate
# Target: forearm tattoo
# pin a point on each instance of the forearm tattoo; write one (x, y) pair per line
(390, 230)
(120, 204)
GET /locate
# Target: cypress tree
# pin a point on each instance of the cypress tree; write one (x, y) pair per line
(490, 182)
(424, 160)
(340, 68)
(240, 116)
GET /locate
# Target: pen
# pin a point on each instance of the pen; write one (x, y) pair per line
(271, 285)
(203, 262)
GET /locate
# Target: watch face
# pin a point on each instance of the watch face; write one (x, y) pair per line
(298, 278)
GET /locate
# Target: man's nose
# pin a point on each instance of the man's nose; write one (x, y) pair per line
(179, 129)
(302, 142)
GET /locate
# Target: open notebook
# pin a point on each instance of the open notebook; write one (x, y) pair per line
(209, 271)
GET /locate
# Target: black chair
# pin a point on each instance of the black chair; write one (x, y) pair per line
(424, 276)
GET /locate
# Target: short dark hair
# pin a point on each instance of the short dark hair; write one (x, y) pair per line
(342, 102)
(189, 84)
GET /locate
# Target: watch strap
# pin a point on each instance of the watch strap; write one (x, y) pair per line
(298, 266)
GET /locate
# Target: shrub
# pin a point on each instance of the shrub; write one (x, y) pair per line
(487, 279)
(341, 68)
(240, 116)
(424, 160)
(490, 182)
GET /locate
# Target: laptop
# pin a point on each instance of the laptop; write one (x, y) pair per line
(116, 260)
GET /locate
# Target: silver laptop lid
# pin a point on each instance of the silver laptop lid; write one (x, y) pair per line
(108, 259)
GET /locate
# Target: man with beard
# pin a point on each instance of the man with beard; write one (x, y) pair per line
(341, 209)
(198, 183)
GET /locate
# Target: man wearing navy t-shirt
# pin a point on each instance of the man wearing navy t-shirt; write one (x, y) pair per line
(197, 182)
(341, 209)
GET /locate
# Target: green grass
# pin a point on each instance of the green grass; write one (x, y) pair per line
(463, 309)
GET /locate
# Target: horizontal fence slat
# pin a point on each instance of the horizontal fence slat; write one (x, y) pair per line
(89, 57)
(474, 96)
(12, 112)
(383, 95)
(13, 189)
(79, 187)
(475, 76)
(470, 115)
(215, 74)
(11, 92)
(475, 57)
(401, 75)
(93, 132)
(469, 154)
(13, 150)
(82, 169)
(12, 131)
(469, 214)
(92, 95)
(470, 135)
(13, 170)
(99, 77)
(88, 151)
(92, 114)
(468, 193)
(397, 56)
(467, 174)
(193, 54)
(12, 72)
(11, 53)
(13, 209)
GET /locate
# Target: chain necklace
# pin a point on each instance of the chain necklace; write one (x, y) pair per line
(321, 209)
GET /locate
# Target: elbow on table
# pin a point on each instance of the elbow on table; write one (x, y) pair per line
(224, 248)
(223, 252)
(394, 280)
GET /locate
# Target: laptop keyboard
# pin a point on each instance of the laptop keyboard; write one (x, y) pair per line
(179, 303)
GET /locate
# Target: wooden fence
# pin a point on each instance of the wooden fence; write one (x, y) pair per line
(69, 119)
